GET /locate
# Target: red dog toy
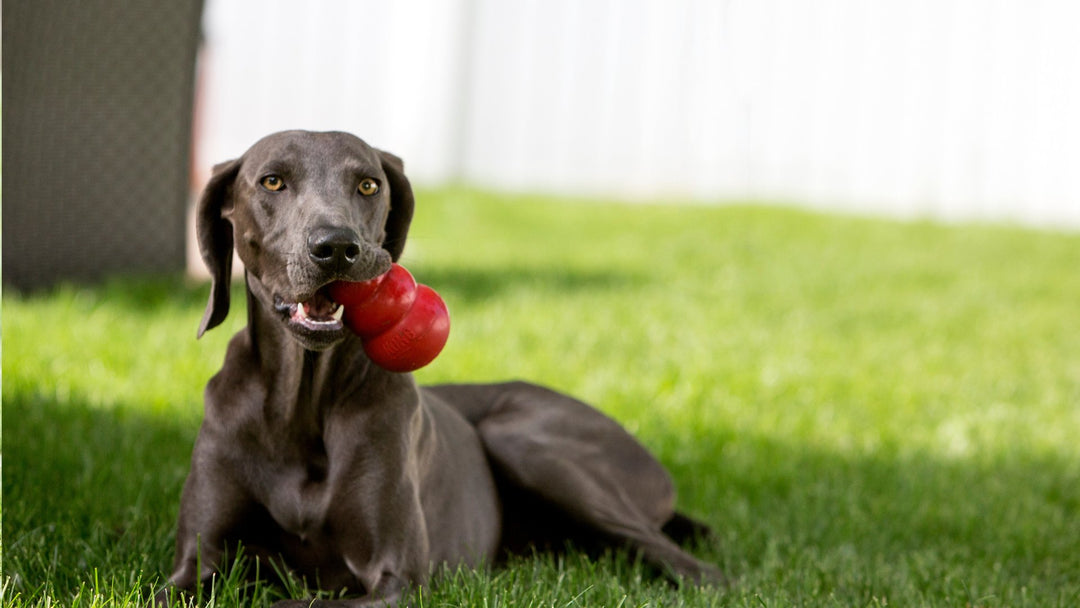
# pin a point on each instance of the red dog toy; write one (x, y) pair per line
(403, 326)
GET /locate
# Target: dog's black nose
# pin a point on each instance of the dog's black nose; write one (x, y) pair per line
(334, 249)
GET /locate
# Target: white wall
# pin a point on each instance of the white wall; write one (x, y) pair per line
(966, 109)
(382, 70)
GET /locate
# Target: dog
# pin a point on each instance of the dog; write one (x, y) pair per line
(319, 462)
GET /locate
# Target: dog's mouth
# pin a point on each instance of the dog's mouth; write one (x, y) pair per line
(316, 314)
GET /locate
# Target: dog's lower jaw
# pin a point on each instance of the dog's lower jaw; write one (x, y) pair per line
(270, 308)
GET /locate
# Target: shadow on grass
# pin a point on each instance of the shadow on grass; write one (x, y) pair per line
(144, 294)
(478, 285)
(915, 528)
(152, 294)
(86, 488)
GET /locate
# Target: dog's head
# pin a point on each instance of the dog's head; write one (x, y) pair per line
(302, 210)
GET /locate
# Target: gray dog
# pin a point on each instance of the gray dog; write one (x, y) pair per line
(313, 458)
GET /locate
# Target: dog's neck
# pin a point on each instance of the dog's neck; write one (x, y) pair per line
(269, 339)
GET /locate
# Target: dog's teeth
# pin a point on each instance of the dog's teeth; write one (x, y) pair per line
(301, 310)
(338, 313)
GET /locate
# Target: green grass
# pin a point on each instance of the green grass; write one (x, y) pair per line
(868, 412)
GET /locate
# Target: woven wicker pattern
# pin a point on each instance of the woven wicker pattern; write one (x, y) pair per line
(97, 126)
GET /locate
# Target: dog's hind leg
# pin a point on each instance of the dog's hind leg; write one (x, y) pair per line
(583, 463)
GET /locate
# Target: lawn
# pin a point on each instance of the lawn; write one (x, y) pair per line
(868, 412)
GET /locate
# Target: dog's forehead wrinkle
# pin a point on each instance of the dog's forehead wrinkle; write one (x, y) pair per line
(345, 156)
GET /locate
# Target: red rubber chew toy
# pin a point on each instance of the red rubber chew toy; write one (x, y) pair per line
(403, 326)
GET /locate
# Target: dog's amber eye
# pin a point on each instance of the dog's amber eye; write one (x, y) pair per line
(272, 183)
(368, 187)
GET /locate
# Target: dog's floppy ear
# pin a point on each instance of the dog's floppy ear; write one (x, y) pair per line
(401, 205)
(215, 234)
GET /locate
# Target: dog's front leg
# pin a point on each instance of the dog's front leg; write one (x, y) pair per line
(374, 513)
(211, 507)
(385, 550)
(384, 543)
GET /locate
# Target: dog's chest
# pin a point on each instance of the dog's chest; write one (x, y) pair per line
(297, 496)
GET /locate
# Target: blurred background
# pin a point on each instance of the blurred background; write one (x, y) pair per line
(114, 113)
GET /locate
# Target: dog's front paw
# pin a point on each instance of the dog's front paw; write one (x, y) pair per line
(687, 569)
(169, 595)
(362, 602)
(708, 575)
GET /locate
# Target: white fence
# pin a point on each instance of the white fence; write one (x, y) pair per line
(965, 109)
